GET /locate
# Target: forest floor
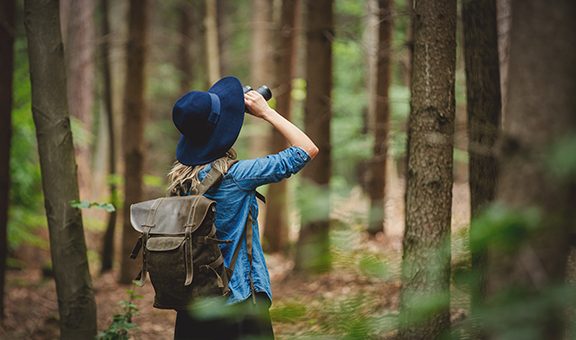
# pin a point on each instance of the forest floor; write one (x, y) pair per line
(359, 298)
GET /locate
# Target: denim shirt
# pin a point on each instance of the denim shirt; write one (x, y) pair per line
(235, 197)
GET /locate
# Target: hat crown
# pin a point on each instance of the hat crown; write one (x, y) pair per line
(209, 121)
(192, 115)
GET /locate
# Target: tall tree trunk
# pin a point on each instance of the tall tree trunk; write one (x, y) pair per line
(261, 63)
(379, 105)
(261, 70)
(504, 13)
(107, 255)
(79, 52)
(58, 166)
(186, 26)
(7, 34)
(409, 44)
(313, 253)
(276, 230)
(483, 101)
(540, 121)
(212, 44)
(133, 129)
(426, 254)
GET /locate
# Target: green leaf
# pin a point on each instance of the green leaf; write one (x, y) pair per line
(87, 205)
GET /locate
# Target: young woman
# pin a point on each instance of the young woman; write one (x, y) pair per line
(210, 123)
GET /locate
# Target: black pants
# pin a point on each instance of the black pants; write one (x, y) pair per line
(244, 320)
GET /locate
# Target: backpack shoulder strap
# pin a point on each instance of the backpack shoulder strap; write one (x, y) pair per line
(247, 235)
(212, 178)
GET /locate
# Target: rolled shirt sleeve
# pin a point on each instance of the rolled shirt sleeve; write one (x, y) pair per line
(250, 174)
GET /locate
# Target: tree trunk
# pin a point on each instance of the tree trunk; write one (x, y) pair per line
(504, 14)
(426, 254)
(313, 253)
(133, 129)
(212, 44)
(186, 26)
(261, 71)
(7, 33)
(107, 255)
(58, 167)
(379, 105)
(483, 101)
(79, 56)
(539, 123)
(276, 230)
(261, 62)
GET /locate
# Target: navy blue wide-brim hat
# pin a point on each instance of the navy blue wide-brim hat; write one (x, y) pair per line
(209, 122)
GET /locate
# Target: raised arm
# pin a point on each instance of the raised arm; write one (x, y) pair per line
(257, 106)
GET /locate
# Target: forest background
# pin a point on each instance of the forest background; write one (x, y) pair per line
(420, 132)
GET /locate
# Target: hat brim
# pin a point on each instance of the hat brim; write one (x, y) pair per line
(226, 131)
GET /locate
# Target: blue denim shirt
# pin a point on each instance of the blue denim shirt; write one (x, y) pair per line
(235, 197)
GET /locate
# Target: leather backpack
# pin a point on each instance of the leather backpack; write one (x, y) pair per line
(180, 250)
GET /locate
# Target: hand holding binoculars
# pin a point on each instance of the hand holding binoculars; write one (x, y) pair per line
(263, 90)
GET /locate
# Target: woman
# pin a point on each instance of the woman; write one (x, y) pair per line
(210, 123)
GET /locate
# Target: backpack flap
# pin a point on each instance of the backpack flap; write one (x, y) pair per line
(164, 243)
(170, 215)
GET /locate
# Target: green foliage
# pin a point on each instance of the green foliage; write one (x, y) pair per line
(314, 202)
(154, 181)
(83, 204)
(561, 159)
(288, 312)
(370, 265)
(350, 145)
(503, 228)
(26, 210)
(122, 323)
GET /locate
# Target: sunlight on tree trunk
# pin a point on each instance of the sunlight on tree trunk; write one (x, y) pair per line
(504, 17)
(79, 52)
(76, 303)
(261, 68)
(380, 115)
(212, 44)
(426, 244)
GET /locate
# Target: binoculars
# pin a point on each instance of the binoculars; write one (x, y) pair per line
(263, 90)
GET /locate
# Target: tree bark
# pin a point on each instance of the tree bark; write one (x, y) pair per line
(7, 34)
(58, 167)
(79, 56)
(380, 107)
(212, 44)
(313, 253)
(261, 72)
(133, 129)
(426, 253)
(504, 14)
(186, 26)
(276, 226)
(540, 118)
(107, 255)
(484, 104)
(261, 67)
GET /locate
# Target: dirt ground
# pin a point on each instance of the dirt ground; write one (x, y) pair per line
(302, 306)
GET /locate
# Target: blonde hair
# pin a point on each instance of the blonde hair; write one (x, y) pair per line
(185, 177)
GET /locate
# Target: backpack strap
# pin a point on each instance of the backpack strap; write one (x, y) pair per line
(247, 234)
(212, 178)
(141, 277)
